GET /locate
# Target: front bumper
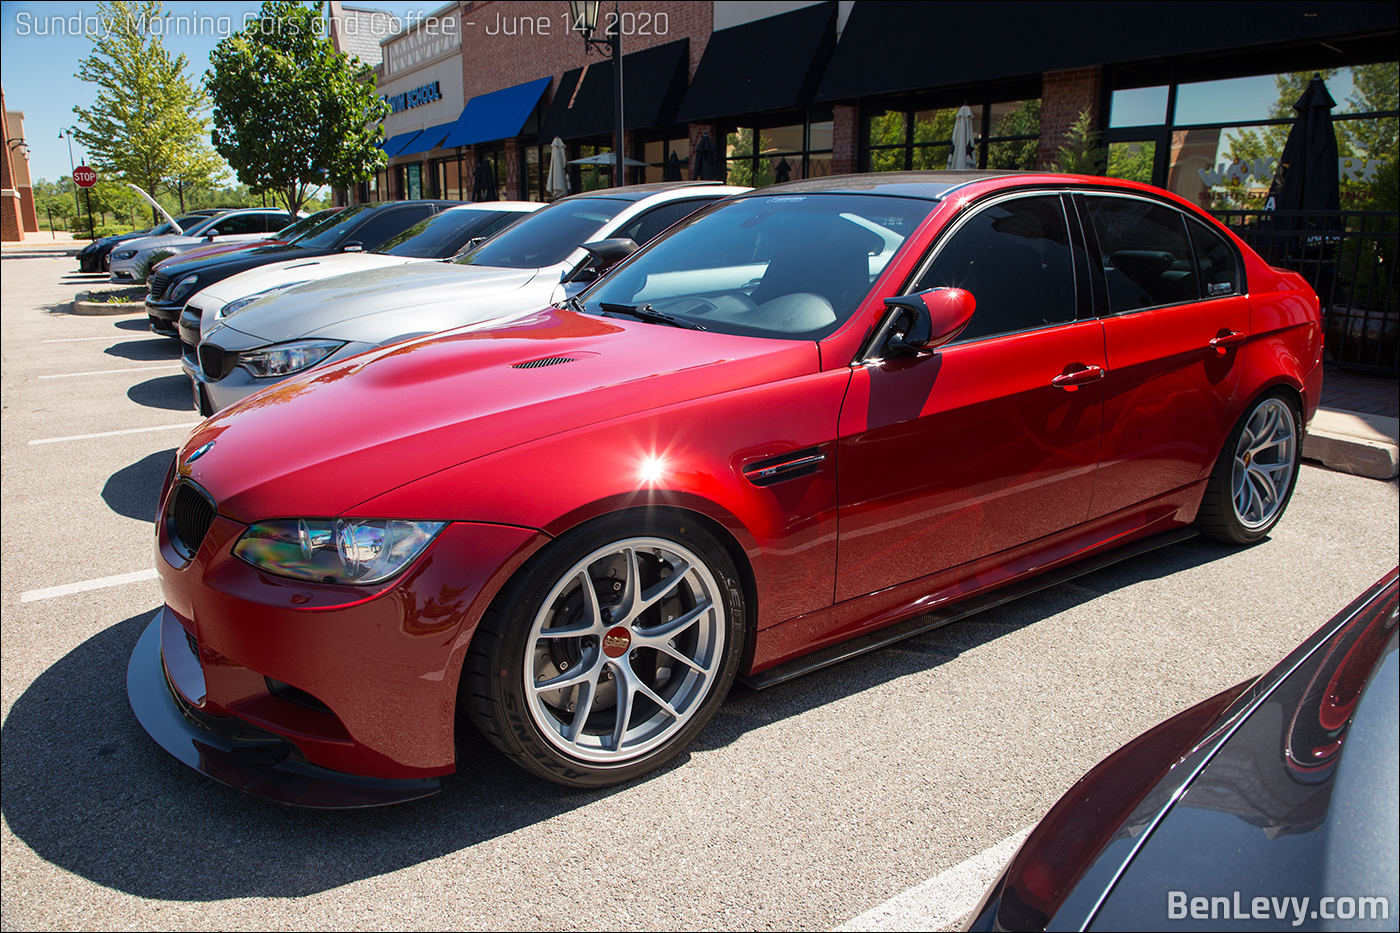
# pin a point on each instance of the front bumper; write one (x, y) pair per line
(232, 752)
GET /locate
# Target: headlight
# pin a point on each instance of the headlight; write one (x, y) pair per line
(182, 288)
(347, 550)
(287, 358)
(121, 254)
(233, 307)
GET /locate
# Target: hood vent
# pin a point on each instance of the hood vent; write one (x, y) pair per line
(546, 361)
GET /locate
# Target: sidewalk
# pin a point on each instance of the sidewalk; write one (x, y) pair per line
(1357, 427)
(44, 241)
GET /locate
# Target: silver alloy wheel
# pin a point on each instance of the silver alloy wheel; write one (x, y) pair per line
(625, 649)
(1265, 459)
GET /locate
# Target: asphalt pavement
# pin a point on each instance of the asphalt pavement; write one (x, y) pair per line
(800, 807)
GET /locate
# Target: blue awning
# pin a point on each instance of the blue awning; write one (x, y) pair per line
(430, 138)
(498, 115)
(395, 144)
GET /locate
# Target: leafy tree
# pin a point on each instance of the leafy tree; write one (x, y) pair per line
(290, 112)
(1132, 161)
(1081, 155)
(1016, 153)
(741, 152)
(147, 125)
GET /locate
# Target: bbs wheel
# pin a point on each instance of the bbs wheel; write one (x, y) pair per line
(607, 656)
(1254, 477)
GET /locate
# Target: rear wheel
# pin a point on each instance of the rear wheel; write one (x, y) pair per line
(606, 657)
(1255, 475)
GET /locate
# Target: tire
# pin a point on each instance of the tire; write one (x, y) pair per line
(650, 651)
(1254, 477)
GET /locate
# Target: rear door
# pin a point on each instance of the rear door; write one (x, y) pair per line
(1171, 286)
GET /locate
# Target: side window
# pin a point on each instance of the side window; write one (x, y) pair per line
(642, 229)
(1216, 262)
(1145, 253)
(238, 225)
(1014, 257)
(380, 227)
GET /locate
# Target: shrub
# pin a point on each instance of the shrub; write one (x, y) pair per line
(150, 263)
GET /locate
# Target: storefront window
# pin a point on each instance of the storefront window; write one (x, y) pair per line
(759, 156)
(1139, 106)
(1132, 160)
(1006, 135)
(657, 152)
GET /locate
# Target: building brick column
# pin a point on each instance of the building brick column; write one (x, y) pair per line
(1064, 96)
(844, 141)
(11, 227)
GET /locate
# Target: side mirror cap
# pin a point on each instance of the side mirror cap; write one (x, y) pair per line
(933, 317)
(607, 253)
(210, 235)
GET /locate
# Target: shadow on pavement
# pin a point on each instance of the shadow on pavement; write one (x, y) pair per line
(151, 349)
(134, 491)
(171, 393)
(141, 325)
(91, 793)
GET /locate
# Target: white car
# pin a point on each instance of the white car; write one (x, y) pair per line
(235, 226)
(537, 261)
(436, 239)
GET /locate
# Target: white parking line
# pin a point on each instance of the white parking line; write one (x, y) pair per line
(83, 437)
(108, 372)
(943, 899)
(29, 596)
(74, 339)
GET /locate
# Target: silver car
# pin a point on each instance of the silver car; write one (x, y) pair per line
(536, 262)
(233, 226)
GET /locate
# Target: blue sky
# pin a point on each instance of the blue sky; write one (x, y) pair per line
(39, 57)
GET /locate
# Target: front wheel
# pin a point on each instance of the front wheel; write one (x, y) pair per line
(1255, 475)
(606, 657)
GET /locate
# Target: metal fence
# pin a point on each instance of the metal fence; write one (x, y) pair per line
(1349, 258)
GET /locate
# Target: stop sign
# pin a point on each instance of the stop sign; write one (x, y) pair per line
(84, 176)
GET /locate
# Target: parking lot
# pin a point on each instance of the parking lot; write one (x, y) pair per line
(800, 807)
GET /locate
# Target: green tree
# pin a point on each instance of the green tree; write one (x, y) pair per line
(147, 125)
(1132, 161)
(1081, 155)
(1016, 153)
(290, 112)
(740, 152)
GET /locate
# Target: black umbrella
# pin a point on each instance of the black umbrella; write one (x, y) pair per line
(484, 182)
(1306, 178)
(703, 162)
(784, 172)
(672, 171)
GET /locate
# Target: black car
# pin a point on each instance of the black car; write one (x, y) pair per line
(361, 227)
(94, 256)
(1270, 806)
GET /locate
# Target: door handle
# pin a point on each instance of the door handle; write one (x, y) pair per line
(1071, 382)
(1231, 338)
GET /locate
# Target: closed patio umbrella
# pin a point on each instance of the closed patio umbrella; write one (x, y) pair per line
(558, 184)
(672, 171)
(1307, 177)
(784, 172)
(963, 156)
(484, 183)
(704, 162)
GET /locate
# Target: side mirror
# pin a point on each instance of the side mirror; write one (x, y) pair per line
(209, 235)
(931, 318)
(355, 247)
(607, 253)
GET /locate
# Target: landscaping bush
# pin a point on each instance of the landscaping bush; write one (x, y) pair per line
(150, 263)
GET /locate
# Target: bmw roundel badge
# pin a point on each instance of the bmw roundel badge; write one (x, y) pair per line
(200, 452)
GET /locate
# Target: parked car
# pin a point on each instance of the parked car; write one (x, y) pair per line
(532, 264)
(438, 238)
(580, 525)
(97, 255)
(294, 231)
(352, 229)
(1273, 802)
(234, 226)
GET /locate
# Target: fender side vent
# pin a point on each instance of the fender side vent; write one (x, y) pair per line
(547, 361)
(791, 465)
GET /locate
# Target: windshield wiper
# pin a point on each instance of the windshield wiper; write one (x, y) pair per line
(645, 312)
(573, 304)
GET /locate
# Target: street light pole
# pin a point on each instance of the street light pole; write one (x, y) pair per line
(585, 19)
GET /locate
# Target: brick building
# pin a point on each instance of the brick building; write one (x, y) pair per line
(800, 89)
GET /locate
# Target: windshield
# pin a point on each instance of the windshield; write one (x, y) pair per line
(790, 266)
(336, 226)
(442, 235)
(305, 225)
(548, 236)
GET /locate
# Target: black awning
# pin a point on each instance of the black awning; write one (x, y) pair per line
(768, 64)
(653, 84)
(891, 47)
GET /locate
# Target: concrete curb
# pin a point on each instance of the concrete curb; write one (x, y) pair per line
(1356, 443)
(105, 307)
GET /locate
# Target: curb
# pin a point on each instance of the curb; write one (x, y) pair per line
(1351, 442)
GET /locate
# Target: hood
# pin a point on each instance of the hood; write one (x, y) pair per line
(212, 249)
(321, 443)
(406, 297)
(301, 269)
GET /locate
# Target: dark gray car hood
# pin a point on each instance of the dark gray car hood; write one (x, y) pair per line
(376, 305)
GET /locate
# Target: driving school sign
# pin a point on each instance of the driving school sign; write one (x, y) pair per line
(84, 177)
